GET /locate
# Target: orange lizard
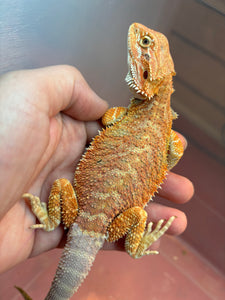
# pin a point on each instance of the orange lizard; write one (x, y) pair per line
(120, 171)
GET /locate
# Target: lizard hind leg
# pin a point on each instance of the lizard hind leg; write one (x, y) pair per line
(138, 239)
(62, 204)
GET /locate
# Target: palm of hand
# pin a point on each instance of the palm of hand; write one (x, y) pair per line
(42, 137)
(56, 157)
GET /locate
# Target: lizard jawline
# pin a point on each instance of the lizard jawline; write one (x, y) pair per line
(138, 93)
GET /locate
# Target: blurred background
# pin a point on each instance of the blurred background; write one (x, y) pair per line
(91, 35)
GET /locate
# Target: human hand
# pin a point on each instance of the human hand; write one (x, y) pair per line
(43, 133)
(46, 119)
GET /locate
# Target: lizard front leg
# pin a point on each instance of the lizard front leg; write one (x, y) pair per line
(62, 204)
(113, 114)
(132, 222)
(176, 150)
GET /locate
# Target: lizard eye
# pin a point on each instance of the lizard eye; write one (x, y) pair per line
(146, 41)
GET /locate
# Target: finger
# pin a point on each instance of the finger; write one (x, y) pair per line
(85, 104)
(92, 129)
(60, 88)
(45, 241)
(157, 211)
(177, 188)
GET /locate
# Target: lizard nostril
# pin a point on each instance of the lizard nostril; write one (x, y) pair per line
(147, 56)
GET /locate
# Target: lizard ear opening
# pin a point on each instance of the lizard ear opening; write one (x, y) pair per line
(145, 74)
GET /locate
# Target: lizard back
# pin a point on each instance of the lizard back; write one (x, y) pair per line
(126, 162)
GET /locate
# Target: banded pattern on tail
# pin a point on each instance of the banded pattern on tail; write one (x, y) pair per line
(76, 261)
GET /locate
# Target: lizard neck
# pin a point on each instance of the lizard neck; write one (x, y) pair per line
(156, 108)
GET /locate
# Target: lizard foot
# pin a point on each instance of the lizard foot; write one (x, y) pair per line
(150, 236)
(132, 223)
(40, 211)
(62, 204)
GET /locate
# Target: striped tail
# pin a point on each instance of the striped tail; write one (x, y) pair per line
(76, 261)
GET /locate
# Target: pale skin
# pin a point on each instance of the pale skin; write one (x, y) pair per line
(46, 118)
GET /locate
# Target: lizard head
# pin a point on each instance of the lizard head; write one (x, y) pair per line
(149, 60)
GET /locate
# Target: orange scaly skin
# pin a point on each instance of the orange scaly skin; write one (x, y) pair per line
(120, 171)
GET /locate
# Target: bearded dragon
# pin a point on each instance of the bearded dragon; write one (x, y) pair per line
(120, 171)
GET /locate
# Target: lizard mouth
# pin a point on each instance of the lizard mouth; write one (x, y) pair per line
(132, 81)
(138, 94)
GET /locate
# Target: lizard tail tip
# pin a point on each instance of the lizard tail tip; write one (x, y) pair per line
(23, 293)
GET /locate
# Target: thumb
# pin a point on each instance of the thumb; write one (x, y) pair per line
(71, 94)
(62, 88)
